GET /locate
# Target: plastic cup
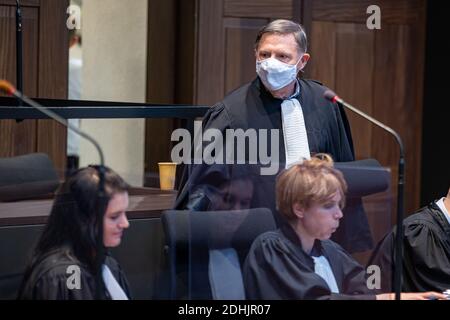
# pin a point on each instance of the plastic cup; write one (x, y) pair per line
(167, 172)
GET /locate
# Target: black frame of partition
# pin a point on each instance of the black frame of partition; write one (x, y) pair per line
(81, 109)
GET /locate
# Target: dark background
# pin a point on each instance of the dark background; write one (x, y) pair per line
(436, 108)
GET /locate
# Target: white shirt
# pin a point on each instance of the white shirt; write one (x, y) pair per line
(323, 269)
(441, 205)
(115, 290)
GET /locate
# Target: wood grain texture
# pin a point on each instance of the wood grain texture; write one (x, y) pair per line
(239, 50)
(211, 48)
(354, 79)
(19, 138)
(30, 212)
(258, 8)
(398, 105)
(53, 77)
(379, 71)
(23, 3)
(161, 69)
(392, 11)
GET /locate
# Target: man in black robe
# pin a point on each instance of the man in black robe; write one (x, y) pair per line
(426, 261)
(258, 106)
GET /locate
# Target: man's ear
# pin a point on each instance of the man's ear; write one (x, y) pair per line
(306, 57)
(298, 210)
(304, 61)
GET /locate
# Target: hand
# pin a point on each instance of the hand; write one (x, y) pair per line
(431, 295)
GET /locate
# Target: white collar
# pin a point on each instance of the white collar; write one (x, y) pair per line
(115, 290)
(441, 205)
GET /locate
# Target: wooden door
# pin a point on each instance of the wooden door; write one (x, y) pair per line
(381, 72)
(45, 65)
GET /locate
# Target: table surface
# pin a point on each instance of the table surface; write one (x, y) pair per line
(144, 203)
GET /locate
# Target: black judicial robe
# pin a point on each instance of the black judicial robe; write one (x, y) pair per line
(252, 106)
(278, 268)
(426, 262)
(48, 279)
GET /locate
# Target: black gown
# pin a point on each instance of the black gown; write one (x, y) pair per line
(426, 262)
(252, 106)
(278, 268)
(48, 279)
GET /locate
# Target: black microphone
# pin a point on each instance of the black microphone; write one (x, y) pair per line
(9, 89)
(398, 271)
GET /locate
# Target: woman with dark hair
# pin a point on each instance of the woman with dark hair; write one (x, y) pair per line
(63, 265)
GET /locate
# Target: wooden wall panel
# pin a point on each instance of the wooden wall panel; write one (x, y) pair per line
(343, 60)
(211, 49)
(354, 77)
(45, 47)
(379, 71)
(397, 95)
(19, 137)
(259, 9)
(23, 3)
(53, 77)
(240, 36)
(161, 83)
(322, 64)
(354, 11)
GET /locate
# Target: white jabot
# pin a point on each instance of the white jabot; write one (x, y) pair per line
(323, 269)
(441, 205)
(225, 276)
(294, 130)
(115, 290)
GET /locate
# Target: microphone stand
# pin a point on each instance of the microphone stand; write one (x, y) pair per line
(398, 271)
(19, 53)
(102, 201)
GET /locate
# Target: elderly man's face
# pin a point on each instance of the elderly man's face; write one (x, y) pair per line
(279, 46)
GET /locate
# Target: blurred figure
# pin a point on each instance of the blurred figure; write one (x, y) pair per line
(298, 261)
(74, 93)
(426, 258)
(233, 195)
(63, 263)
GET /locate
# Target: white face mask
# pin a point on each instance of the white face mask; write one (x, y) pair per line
(276, 74)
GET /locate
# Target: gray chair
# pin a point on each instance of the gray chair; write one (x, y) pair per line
(205, 250)
(28, 176)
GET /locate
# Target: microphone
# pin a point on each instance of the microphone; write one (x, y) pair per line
(398, 271)
(9, 89)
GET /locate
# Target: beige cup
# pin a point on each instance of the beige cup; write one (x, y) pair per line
(167, 172)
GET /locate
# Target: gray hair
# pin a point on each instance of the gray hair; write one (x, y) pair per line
(282, 26)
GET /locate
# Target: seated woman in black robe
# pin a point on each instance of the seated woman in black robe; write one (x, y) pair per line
(298, 261)
(63, 263)
(426, 251)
